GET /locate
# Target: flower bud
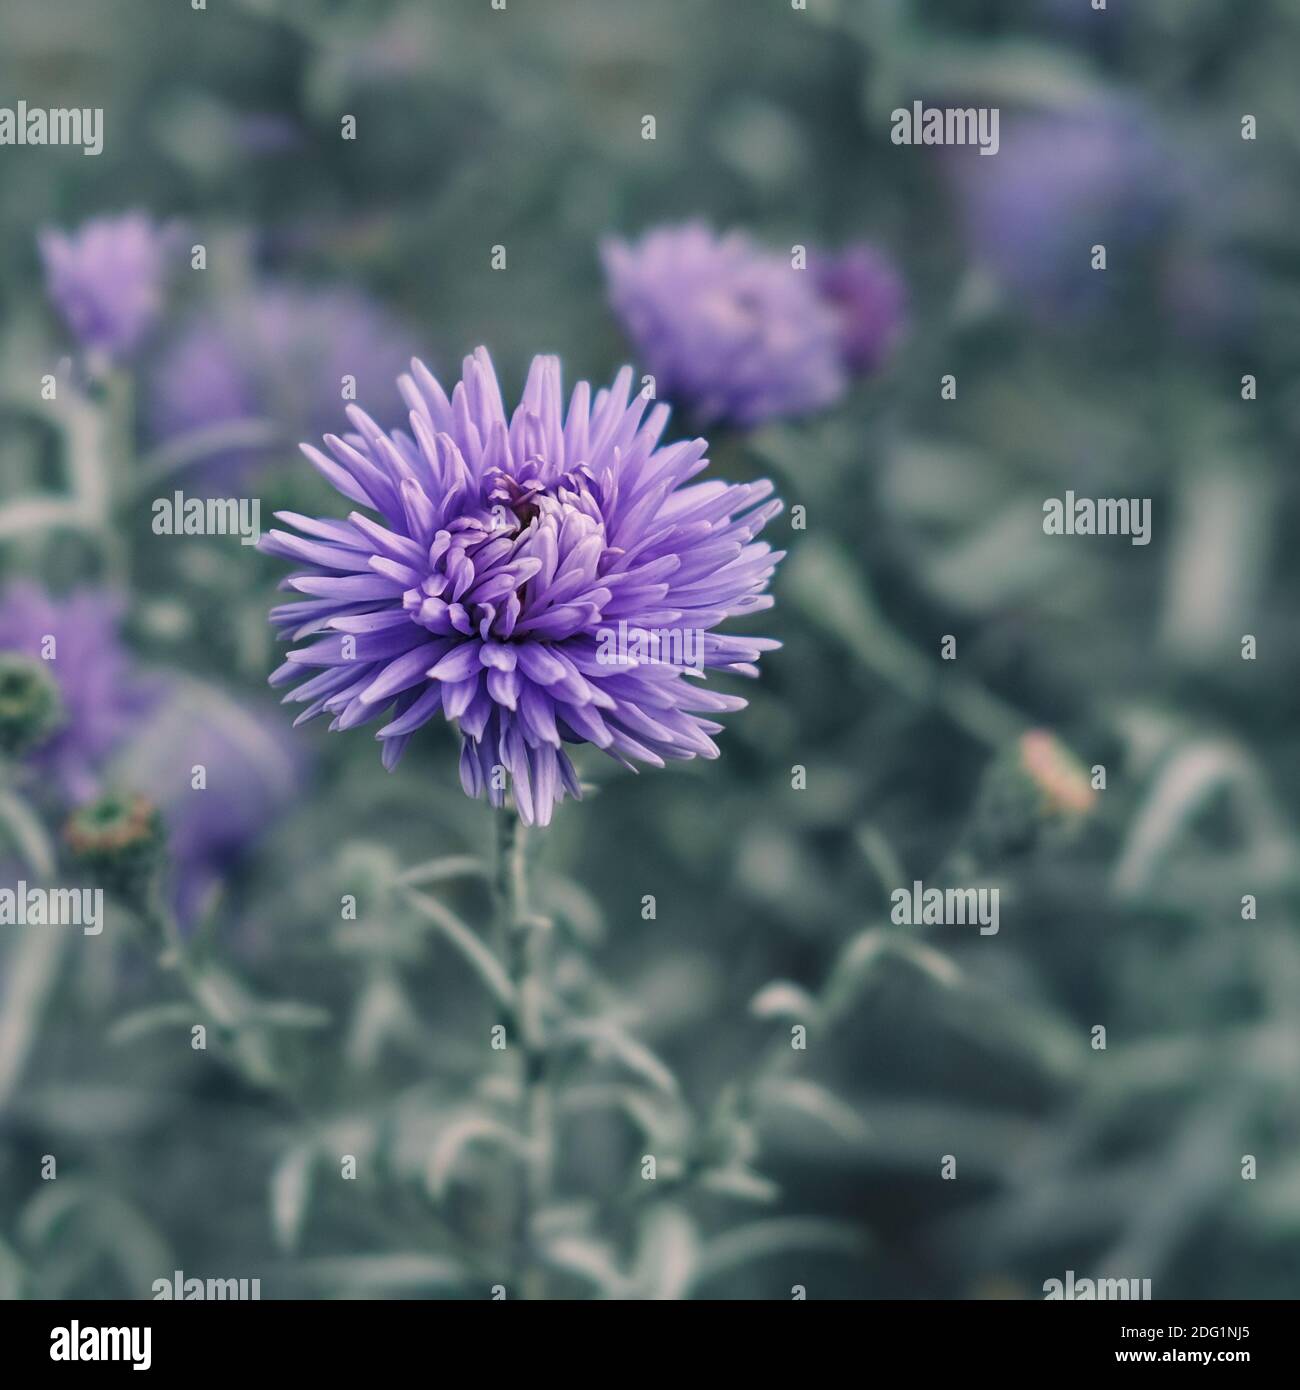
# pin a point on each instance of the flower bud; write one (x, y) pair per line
(1036, 788)
(120, 839)
(30, 707)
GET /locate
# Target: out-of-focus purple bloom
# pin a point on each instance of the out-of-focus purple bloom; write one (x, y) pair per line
(1209, 296)
(1061, 183)
(107, 279)
(516, 564)
(250, 774)
(729, 330)
(869, 299)
(279, 353)
(267, 133)
(76, 639)
(147, 736)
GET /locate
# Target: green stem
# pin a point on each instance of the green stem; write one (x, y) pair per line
(163, 938)
(200, 445)
(222, 1000)
(115, 452)
(862, 626)
(33, 965)
(521, 938)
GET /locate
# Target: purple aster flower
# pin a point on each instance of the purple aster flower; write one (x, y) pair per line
(1062, 182)
(279, 353)
(75, 640)
(107, 279)
(867, 294)
(732, 331)
(250, 774)
(267, 133)
(524, 578)
(1209, 296)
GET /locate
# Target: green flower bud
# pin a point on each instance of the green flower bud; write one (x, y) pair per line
(120, 839)
(30, 707)
(1036, 789)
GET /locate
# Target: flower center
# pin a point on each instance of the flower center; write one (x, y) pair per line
(480, 564)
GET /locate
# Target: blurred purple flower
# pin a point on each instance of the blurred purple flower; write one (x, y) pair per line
(729, 330)
(251, 774)
(107, 279)
(279, 353)
(267, 133)
(518, 561)
(867, 293)
(1210, 297)
(147, 736)
(1062, 182)
(103, 700)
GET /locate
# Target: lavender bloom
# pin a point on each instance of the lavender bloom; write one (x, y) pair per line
(281, 352)
(267, 133)
(734, 332)
(1209, 297)
(868, 296)
(512, 555)
(102, 701)
(250, 775)
(107, 279)
(1061, 183)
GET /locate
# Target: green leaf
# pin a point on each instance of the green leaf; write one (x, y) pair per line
(13, 1274)
(610, 1039)
(659, 1118)
(814, 1103)
(667, 1253)
(196, 446)
(142, 1022)
(782, 999)
(288, 1013)
(30, 976)
(27, 833)
(400, 1272)
(588, 1258)
(291, 1188)
(484, 964)
(739, 1182)
(862, 957)
(1184, 787)
(222, 995)
(97, 1220)
(834, 595)
(449, 866)
(471, 1127)
(1012, 71)
(28, 516)
(575, 905)
(382, 1012)
(762, 1240)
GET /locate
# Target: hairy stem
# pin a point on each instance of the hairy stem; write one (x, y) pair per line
(521, 938)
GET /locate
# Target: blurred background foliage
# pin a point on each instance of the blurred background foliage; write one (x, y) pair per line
(776, 1167)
